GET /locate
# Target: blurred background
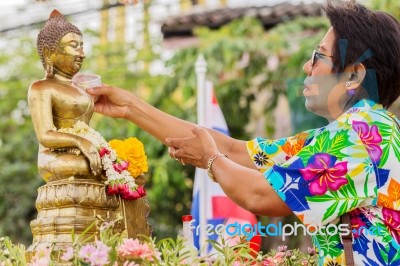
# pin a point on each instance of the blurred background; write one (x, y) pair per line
(255, 51)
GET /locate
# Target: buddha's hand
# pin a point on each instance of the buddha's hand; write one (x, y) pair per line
(91, 153)
(112, 101)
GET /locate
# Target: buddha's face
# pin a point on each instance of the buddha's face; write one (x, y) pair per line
(68, 58)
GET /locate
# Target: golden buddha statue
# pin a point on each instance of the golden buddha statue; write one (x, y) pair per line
(74, 195)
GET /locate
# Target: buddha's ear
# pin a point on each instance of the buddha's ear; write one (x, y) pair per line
(46, 54)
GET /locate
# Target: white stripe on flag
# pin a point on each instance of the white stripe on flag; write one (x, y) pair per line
(207, 207)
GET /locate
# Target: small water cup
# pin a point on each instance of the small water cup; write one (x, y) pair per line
(86, 81)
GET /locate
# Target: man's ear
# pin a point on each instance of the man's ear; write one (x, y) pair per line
(356, 76)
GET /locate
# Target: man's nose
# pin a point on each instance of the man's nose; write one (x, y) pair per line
(307, 68)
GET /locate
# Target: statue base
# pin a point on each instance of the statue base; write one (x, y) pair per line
(69, 207)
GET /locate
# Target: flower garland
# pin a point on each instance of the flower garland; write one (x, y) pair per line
(121, 161)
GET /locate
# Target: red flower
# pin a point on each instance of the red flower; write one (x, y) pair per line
(112, 190)
(103, 151)
(128, 194)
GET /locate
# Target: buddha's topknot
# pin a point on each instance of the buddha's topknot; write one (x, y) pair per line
(54, 29)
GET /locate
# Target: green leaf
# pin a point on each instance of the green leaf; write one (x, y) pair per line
(338, 143)
(321, 198)
(330, 211)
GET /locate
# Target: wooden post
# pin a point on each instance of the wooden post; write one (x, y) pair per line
(222, 3)
(120, 24)
(104, 22)
(185, 5)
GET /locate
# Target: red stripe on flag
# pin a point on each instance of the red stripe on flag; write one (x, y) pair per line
(224, 207)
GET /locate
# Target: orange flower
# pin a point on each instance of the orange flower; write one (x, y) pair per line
(132, 151)
(294, 145)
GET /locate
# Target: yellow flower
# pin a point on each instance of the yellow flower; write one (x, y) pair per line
(338, 261)
(132, 151)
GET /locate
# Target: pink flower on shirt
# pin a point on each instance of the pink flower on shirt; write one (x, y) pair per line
(392, 220)
(324, 173)
(370, 137)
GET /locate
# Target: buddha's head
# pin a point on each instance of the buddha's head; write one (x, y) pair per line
(60, 46)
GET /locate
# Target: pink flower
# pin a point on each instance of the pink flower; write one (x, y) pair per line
(311, 251)
(41, 262)
(370, 137)
(102, 248)
(106, 225)
(42, 251)
(133, 249)
(103, 151)
(282, 248)
(120, 166)
(323, 173)
(68, 254)
(99, 259)
(95, 255)
(130, 249)
(392, 220)
(86, 252)
(279, 255)
(127, 263)
(129, 194)
(268, 262)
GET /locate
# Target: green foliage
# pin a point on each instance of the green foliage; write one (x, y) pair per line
(390, 6)
(18, 147)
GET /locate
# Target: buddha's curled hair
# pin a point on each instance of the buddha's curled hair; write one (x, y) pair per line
(56, 27)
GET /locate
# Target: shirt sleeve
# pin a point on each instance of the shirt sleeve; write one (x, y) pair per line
(265, 153)
(329, 176)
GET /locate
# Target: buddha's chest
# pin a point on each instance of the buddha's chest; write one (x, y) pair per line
(72, 104)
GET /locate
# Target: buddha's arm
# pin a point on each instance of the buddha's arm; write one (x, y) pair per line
(40, 105)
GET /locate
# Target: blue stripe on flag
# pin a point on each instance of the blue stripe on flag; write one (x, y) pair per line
(195, 212)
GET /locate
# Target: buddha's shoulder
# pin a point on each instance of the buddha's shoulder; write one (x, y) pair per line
(43, 85)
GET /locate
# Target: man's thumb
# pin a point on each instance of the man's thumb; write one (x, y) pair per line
(100, 90)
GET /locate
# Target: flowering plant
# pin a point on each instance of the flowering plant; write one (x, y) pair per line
(111, 249)
(122, 161)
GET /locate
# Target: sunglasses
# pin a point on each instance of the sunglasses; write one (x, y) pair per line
(316, 55)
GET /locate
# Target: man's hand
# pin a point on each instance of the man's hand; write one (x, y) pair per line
(196, 150)
(112, 101)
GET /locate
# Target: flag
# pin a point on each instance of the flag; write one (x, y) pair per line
(210, 205)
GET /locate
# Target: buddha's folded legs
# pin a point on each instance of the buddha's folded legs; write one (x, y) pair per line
(55, 165)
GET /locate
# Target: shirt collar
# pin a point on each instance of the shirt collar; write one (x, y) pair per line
(365, 105)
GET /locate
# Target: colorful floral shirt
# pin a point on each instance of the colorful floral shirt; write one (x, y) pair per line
(349, 166)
